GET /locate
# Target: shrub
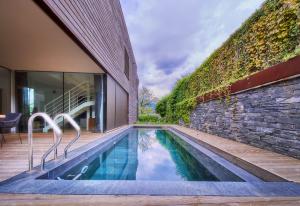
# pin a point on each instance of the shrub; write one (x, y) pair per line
(161, 107)
(149, 118)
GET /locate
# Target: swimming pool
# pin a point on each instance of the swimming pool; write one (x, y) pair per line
(149, 154)
(145, 161)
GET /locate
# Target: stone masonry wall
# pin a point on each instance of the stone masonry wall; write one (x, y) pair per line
(267, 117)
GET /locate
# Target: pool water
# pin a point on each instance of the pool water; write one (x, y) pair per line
(150, 154)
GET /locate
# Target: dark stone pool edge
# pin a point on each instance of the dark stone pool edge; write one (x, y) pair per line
(30, 185)
(251, 168)
(159, 188)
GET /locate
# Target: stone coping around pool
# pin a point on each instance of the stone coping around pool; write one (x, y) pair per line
(194, 149)
(268, 165)
(259, 172)
(27, 182)
(236, 170)
(161, 188)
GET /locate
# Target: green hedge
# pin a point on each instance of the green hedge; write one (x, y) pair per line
(149, 118)
(270, 36)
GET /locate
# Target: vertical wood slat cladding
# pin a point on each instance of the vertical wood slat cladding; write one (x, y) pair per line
(110, 103)
(116, 105)
(121, 106)
(100, 27)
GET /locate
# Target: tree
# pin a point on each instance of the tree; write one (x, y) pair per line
(161, 106)
(146, 98)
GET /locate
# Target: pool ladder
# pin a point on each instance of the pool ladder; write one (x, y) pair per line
(75, 126)
(57, 134)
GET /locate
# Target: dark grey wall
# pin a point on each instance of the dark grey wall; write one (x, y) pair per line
(267, 117)
(116, 105)
(121, 106)
(110, 103)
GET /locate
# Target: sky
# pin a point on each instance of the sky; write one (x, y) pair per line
(171, 38)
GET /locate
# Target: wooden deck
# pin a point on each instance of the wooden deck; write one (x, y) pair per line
(93, 200)
(13, 160)
(14, 155)
(283, 166)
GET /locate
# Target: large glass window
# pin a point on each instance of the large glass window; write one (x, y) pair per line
(4, 91)
(79, 98)
(38, 92)
(54, 93)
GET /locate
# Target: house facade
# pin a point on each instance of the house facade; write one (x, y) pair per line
(67, 56)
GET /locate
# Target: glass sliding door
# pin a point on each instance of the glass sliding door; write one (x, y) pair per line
(38, 92)
(79, 99)
(58, 92)
(5, 93)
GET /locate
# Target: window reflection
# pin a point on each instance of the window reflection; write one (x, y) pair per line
(4, 91)
(54, 93)
(33, 91)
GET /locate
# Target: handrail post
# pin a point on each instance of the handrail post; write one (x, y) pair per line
(47, 119)
(70, 144)
(55, 139)
(69, 101)
(88, 93)
(30, 151)
(75, 126)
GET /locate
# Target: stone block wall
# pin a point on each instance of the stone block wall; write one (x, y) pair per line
(266, 117)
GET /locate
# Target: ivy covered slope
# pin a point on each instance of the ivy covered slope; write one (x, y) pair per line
(270, 36)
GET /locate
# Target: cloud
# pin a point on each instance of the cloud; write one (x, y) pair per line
(172, 38)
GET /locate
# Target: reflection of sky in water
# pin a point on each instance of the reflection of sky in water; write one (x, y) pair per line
(155, 163)
(146, 154)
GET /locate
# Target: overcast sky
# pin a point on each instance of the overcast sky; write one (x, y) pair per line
(171, 38)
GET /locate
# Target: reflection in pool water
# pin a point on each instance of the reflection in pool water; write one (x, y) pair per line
(149, 154)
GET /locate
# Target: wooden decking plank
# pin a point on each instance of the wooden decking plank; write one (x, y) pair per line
(281, 165)
(73, 200)
(13, 154)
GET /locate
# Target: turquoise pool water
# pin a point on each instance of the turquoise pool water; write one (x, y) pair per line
(150, 154)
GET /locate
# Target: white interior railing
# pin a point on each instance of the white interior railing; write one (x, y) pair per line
(73, 102)
(70, 100)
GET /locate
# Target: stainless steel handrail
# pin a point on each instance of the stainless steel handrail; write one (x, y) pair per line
(56, 129)
(75, 126)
